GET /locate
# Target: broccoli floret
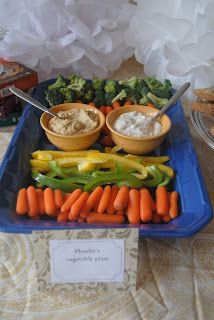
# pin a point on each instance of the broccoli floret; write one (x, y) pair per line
(144, 100)
(68, 94)
(98, 84)
(112, 87)
(99, 98)
(158, 102)
(54, 97)
(158, 88)
(87, 95)
(59, 83)
(121, 95)
(76, 83)
(109, 98)
(131, 83)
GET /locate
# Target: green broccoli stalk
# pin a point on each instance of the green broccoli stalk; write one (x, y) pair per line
(158, 102)
(158, 88)
(68, 94)
(76, 83)
(121, 95)
(131, 83)
(59, 83)
(144, 100)
(54, 97)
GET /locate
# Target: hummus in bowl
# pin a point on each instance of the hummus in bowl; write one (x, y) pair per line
(78, 129)
(74, 122)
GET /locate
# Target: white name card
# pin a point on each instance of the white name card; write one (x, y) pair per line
(91, 260)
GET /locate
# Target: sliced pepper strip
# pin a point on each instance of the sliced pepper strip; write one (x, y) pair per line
(157, 177)
(166, 170)
(124, 161)
(52, 154)
(66, 186)
(118, 178)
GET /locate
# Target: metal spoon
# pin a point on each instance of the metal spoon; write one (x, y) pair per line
(172, 100)
(32, 101)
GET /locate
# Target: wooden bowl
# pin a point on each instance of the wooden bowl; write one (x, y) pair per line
(137, 145)
(72, 142)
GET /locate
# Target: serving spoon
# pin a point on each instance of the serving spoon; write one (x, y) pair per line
(172, 100)
(21, 94)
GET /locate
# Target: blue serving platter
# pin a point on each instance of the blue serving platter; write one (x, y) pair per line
(195, 207)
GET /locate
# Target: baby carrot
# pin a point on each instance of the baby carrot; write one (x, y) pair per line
(120, 212)
(40, 197)
(92, 199)
(62, 216)
(133, 210)
(58, 196)
(50, 207)
(33, 207)
(71, 199)
(104, 199)
(121, 199)
(116, 104)
(173, 208)
(103, 109)
(84, 214)
(92, 104)
(162, 201)
(21, 202)
(81, 220)
(166, 218)
(110, 208)
(128, 102)
(96, 217)
(77, 206)
(145, 205)
(108, 109)
(107, 141)
(156, 218)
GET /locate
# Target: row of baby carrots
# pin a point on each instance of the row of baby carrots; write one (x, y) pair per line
(110, 204)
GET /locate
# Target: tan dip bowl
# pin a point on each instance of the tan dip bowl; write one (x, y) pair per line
(72, 142)
(137, 145)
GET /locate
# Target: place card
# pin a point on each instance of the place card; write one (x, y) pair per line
(97, 260)
(83, 260)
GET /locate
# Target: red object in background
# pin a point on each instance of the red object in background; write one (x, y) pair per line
(14, 74)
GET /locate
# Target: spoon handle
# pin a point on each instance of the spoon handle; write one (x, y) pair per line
(32, 101)
(173, 99)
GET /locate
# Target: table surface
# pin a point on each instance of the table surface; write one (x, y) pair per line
(175, 278)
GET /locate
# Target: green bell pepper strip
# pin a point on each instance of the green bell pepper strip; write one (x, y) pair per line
(118, 178)
(165, 181)
(66, 186)
(157, 177)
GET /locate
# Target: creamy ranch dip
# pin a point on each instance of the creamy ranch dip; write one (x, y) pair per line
(74, 122)
(135, 124)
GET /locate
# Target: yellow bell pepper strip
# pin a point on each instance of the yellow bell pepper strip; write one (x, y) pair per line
(165, 181)
(122, 161)
(73, 161)
(148, 160)
(66, 186)
(166, 170)
(52, 154)
(39, 165)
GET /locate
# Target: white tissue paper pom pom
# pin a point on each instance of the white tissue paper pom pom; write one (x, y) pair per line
(174, 39)
(65, 36)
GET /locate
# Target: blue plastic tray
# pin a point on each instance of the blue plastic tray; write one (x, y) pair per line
(196, 209)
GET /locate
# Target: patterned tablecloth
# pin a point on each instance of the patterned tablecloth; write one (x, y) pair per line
(175, 277)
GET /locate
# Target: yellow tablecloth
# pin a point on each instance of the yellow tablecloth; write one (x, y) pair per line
(175, 276)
